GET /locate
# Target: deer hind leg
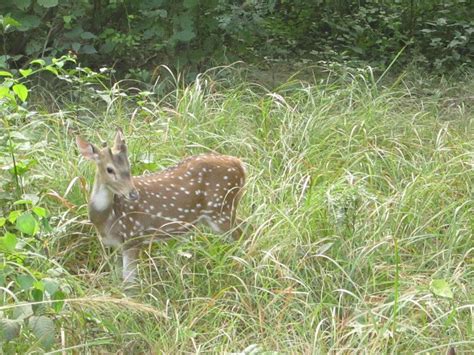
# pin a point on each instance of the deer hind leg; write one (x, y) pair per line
(223, 220)
(237, 229)
(230, 210)
(219, 224)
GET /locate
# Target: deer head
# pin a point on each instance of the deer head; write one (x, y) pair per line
(113, 165)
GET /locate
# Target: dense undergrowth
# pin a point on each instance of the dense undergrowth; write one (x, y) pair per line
(359, 198)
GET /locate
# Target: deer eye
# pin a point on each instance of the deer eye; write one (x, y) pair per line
(110, 170)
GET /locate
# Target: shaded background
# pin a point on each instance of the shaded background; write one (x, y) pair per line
(135, 37)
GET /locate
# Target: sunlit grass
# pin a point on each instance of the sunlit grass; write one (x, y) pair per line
(357, 197)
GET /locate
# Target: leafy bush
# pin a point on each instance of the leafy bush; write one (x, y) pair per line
(193, 35)
(437, 33)
(33, 286)
(137, 31)
(446, 35)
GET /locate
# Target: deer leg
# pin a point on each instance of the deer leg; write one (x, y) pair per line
(129, 260)
(237, 232)
(219, 226)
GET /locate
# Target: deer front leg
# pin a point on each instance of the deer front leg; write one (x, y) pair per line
(129, 260)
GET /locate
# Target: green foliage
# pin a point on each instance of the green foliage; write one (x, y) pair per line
(446, 34)
(98, 31)
(134, 36)
(14, 92)
(9, 329)
(34, 301)
(27, 279)
(43, 328)
(437, 34)
(441, 288)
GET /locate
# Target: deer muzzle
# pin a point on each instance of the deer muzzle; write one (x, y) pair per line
(133, 195)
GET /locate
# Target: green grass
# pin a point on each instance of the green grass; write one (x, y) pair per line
(358, 196)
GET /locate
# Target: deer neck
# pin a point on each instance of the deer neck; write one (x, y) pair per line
(100, 204)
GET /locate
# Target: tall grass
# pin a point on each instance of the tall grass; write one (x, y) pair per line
(358, 196)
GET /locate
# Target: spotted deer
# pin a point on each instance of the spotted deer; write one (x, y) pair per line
(130, 212)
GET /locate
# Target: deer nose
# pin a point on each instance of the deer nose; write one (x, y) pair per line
(133, 195)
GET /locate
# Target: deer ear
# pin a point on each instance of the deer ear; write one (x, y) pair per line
(88, 150)
(119, 145)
